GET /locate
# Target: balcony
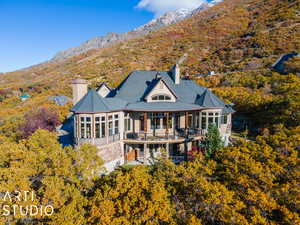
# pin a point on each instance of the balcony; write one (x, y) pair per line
(164, 137)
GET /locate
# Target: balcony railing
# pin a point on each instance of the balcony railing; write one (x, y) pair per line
(98, 141)
(162, 136)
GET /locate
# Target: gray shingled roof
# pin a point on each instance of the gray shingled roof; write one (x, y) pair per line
(92, 102)
(209, 100)
(162, 106)
(129, 95)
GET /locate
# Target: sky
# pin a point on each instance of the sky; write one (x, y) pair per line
(33, 31)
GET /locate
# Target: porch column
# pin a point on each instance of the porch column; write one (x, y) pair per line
(167, 130)
(93, 136)
(168, 150)
(145, 122)
(146, 153)
(106, 127)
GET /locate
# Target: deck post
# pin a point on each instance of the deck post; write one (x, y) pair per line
(145, 154)
(186, 119)
(168, 150)
(167, 130)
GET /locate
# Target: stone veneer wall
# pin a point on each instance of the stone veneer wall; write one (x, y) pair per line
(112, 154)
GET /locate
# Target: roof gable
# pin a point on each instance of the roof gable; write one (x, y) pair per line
(159, 87)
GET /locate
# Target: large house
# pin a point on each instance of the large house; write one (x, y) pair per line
(147, 112)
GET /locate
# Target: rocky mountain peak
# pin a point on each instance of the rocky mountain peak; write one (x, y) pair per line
(168, 18)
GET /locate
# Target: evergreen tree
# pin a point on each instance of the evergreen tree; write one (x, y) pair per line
(213, 141)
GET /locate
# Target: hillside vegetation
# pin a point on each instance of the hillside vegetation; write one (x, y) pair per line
(250, 182)
(239, 39)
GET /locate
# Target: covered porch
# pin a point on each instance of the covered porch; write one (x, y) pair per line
(163, 126)
(147, 153)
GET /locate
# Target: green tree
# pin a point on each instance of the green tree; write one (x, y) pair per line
(213, 141)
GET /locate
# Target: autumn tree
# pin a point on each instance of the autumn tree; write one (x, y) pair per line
(40, 119)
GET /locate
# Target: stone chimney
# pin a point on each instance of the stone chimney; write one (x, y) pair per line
(176, 74)
(79, 87)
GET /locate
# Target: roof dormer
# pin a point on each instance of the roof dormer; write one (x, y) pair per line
(161, 92)
(103, 90)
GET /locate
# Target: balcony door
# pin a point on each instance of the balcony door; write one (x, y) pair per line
(177, 120)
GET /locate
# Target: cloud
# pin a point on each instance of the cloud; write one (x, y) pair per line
(159, 7)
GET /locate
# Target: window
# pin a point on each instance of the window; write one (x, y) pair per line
(190, 120)
(100, 127)
(224, 119)
(113, 124)
(197, 121)
(209, 118)
(85, 127)
(127, 122)
(142, 122)
(103, 123)
(203, 120)
(161, 98)
(116, 121)
(110, 125)
(156, 120)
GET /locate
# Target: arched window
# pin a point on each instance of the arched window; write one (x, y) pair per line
(161, 98)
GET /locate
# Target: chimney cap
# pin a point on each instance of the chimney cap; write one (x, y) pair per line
(79, 81)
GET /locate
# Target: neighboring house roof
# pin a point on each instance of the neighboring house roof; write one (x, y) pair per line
(25, 96)
(92, 102)
(279, 64)
(60, 100)
(130, 96)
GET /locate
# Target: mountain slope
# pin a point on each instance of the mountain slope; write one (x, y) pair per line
(239, 37)
(167, 19)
